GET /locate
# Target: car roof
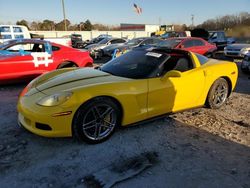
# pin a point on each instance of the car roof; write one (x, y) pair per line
(164, 50)
(184, 38)
(27, 40)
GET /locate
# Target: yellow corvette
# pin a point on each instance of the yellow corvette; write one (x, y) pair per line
(141, 84)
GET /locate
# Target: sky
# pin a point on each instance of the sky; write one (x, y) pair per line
(114, 12)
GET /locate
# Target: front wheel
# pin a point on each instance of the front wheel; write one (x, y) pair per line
(218, 94)
(96, 121)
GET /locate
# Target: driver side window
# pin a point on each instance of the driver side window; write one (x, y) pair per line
(24, 47)
(179, 63)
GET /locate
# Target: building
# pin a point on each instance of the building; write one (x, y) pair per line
(139, 27)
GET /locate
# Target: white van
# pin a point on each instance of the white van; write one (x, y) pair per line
(8, 32)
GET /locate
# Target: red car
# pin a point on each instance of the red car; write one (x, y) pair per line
(28, 58)
(193, 44)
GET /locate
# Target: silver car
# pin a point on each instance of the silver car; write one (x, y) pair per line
(95, 50)
(237, 50)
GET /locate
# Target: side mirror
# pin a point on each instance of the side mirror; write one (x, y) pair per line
(172, 74)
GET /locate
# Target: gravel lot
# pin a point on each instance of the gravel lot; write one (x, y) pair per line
(197, 148)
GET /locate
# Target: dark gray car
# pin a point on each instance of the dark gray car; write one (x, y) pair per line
(141, 41)
(95, 50)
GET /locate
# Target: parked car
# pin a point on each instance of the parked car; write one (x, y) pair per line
(169, 34)
(96, 49)
(193, 44)
(141, 41)
(245, 64)
(96, 39)
(9, 32)
(76, 41)
(219, 38)
(237, 50)
(24, 58)
(90, 103)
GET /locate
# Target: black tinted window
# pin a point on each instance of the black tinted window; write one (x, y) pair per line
(156, 41)
(55, 48)
(202, 59)
(148, 41)
(116, 41)
(135, 64)
(172, 43)
(188, 44)
(198, 43)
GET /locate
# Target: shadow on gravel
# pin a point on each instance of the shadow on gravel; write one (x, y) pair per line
(186, 157)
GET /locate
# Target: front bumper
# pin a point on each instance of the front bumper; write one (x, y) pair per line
(245, 66)
(41, 121)
(234, 53)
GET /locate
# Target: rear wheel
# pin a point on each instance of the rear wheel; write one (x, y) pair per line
(96, 121)
(218, 93)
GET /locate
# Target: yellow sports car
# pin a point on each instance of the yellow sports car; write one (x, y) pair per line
(144, 83)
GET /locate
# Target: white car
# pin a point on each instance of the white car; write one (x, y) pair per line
(9, 32)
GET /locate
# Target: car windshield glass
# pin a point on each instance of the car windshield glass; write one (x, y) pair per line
(136, 64)
(202, 59)
(172, 43)
(104, 41)
(3, 45)
(134, 41)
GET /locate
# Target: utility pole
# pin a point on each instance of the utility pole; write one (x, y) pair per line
(64, 16)
(192, 19)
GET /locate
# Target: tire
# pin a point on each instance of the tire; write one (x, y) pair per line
(217, 94)
(95, 121)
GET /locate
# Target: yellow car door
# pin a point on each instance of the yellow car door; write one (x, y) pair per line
(174, 92)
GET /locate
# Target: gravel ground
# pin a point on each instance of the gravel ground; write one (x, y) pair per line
(196, 148)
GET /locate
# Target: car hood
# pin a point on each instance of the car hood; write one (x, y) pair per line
(238, 46)
(113, 46)
(68, 79)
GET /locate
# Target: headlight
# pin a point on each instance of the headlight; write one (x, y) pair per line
(55, 99)
(245, 50)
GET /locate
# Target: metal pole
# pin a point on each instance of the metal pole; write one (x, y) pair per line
(192, 18)
(64, 16)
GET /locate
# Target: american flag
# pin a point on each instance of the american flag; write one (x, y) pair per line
(138, 9)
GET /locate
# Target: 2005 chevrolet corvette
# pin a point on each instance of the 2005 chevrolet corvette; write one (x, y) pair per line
(141, 84)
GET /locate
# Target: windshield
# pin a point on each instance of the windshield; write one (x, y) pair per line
(171, 43)
(134, 42)
(104, 41)
(3, 45)
(136, 64)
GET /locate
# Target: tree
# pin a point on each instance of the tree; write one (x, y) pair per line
(88, 26)
(47, 25)
(60, 26)
(23, 22)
